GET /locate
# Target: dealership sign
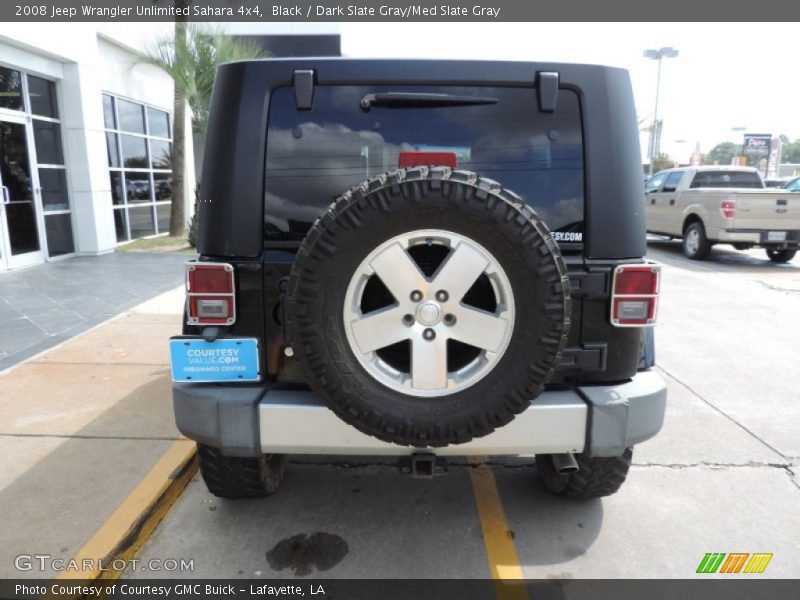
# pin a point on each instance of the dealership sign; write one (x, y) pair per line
(756, 147)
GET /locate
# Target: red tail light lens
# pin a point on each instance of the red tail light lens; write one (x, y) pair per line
(210, 294)
(634, 295)
(728, 208)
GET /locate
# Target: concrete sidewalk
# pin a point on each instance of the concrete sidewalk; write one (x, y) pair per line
(45, 305)
(80, 426)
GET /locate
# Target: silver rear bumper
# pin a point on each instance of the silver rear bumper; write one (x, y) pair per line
(246, 421)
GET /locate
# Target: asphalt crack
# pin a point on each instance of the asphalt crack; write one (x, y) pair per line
(777, 288)
(722, 412)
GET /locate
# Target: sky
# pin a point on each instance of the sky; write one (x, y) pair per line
(726, 74)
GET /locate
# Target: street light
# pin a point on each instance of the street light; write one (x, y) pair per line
(658, 55)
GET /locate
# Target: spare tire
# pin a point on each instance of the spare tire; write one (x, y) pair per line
(428, 306)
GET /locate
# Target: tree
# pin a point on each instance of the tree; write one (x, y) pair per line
(191, 57)
(790, 153)
(661, 162)
(722, 154)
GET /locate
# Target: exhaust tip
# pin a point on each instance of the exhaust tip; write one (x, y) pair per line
(565, 463)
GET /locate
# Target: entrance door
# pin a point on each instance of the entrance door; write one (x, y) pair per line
(20, 243)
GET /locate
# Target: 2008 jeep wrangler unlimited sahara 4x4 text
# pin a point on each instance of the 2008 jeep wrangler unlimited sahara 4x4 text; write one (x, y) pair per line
(422, 259)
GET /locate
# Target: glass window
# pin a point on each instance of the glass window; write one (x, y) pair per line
(47, 137)
(655, 183)
(54, 189)
(42, 95)
(727, 179)
(10, 89)
(134, 152)
(312, 158)
(141, 220)
(59, 234)
(108, 112)
(162, 183)
(112, 149)
(673, 179)
(161, 154)
(120, 219)
(131, 116)
(162, 214)
(117, 194)
(137, 186)
(158, 122)
(139, 166)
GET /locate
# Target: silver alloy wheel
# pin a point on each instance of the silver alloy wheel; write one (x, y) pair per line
(693, 241)
(429, 311)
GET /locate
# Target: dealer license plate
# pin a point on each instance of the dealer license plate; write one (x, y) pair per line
(776, 236)
(196, 360)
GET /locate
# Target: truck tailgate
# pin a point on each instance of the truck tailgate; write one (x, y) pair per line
(767, 210)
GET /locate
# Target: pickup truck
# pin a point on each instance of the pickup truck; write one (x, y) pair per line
(722, 205)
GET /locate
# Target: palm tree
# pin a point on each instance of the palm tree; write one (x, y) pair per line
(191, 57)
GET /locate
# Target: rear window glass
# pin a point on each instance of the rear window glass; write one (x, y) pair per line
(727, 179)
(314, 156)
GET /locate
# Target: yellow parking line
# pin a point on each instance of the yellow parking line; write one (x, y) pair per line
(501, 553)
(129, 526)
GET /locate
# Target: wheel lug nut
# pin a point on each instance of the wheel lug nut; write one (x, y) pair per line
(416, 296)
(429, 334)
(449, 319)
(408, 320)
(442, 296)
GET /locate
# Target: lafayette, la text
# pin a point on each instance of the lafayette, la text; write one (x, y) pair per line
(403, 12)
(179, 589)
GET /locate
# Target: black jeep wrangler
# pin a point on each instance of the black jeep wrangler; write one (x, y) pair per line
(421, 259)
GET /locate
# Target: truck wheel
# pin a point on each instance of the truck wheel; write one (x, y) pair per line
(428, 306)
(695, 243)
(781, 256)
(240, 477)
(596, 476)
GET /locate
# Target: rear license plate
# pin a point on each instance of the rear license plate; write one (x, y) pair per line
(196, 360)
(776, 236)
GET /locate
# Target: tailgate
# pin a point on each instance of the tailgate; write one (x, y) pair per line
(776, 210)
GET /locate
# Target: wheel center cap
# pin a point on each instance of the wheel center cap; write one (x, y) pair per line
(428, 313)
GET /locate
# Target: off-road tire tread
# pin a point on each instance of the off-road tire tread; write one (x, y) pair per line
(240, 477)
(330, 377)
(596, 477)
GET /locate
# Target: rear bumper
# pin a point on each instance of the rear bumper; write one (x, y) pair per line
(757, 236)
(248, 421)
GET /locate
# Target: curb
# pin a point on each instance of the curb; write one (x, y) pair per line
(107, 552)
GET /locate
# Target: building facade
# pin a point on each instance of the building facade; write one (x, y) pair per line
(86, 134)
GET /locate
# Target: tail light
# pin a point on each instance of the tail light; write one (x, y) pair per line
(728, 208)
(634, 295)
(210, 295)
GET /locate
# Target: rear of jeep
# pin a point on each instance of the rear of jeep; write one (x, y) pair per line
(419, 259)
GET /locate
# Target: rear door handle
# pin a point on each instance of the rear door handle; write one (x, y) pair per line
(652, 201)
(672, 202)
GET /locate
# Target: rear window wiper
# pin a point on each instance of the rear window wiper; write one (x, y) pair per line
(420, 100)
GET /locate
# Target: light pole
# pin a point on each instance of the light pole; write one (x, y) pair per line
(661, 53)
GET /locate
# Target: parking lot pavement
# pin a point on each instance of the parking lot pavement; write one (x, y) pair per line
(45, 305)
(80, 426)
(722, 476)
(83, 423)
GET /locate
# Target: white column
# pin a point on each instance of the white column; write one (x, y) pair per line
(86, 160)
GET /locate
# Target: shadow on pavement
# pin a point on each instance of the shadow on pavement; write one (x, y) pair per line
(57, 505)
